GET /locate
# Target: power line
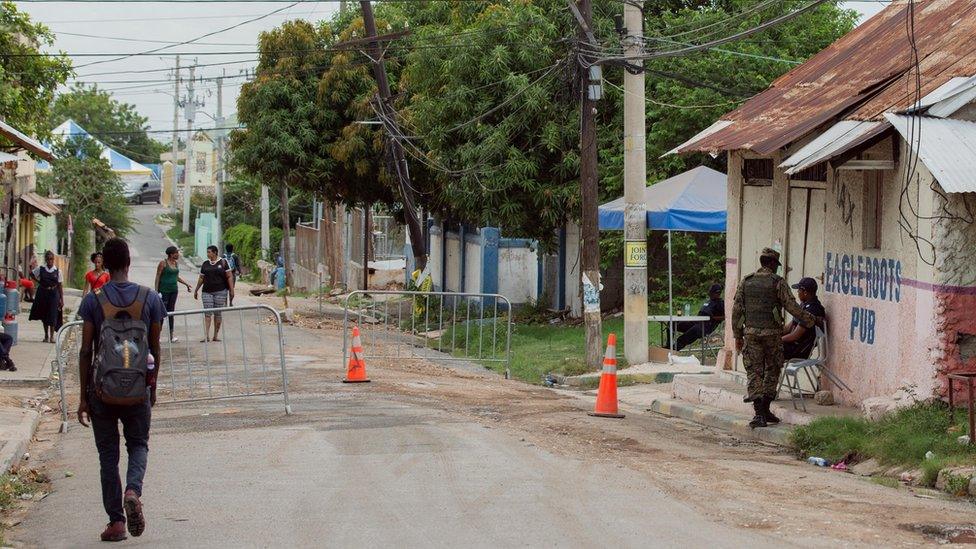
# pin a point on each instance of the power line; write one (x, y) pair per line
(144, 40)
(201, 37)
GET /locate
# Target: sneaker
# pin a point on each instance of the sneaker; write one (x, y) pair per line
(174, 339)
(133, 513)
(115, 531)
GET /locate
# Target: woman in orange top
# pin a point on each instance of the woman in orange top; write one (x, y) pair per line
(97, 277)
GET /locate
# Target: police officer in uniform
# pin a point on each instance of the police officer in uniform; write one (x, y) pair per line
(757, 322)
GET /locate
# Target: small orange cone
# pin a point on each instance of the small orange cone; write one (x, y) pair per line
(356, 372)
(606, 396)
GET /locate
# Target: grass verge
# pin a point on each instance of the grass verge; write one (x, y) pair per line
(901, 438)
(184, 241)
(538, 349)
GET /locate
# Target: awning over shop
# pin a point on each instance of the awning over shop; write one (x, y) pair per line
(695, 200)
(21, 140)
(946, 146)
(39, 204)
(838, 139)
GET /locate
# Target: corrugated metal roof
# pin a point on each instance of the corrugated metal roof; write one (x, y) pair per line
(24, 141)
(859, 77)
(838, 138)
(946, 146)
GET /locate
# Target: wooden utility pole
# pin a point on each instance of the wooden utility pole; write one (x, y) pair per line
(635, 181)
(407, 194)
(589, 184)
(220, 165)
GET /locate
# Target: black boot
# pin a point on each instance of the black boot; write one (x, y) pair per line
(759, 420)
(770, 418)
(748, 398)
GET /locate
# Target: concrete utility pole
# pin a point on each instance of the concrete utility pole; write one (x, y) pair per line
(407, 194)
(589, 184)
(265, 224)
(635, 180)
(191, 108)
(176, 136)
(220, 164)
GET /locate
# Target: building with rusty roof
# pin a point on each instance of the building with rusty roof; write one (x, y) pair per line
(860, 166)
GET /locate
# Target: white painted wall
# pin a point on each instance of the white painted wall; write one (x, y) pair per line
(517, 274)
(453, 264)
(434, 262)
(472, 260)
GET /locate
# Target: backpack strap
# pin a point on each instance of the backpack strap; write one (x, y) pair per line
(133, 309)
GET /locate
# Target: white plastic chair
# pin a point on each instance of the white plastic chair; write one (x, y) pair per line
(812, 368)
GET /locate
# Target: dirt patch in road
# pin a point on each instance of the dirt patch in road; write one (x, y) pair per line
(742, 483)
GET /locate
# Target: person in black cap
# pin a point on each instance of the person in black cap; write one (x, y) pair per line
(690, 332)
(798, 340)
(757, 324)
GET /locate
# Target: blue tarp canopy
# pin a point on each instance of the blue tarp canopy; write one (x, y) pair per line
(695, 200)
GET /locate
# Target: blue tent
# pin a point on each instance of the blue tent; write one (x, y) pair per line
(695, 200)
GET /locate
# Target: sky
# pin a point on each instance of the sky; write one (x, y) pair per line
(121, 28)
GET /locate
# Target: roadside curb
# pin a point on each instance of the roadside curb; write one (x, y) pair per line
(721, 419)
(593, 381)
(18, 432)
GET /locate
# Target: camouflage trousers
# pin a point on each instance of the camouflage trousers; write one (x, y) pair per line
(763, 359)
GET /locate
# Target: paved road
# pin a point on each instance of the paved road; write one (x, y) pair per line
(428, 457)
(355, 468)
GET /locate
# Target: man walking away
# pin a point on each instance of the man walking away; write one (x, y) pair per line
(233, 260)
(122, 321)
(757, 322)
(798, 341)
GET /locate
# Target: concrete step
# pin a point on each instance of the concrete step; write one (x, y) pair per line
(718, 418)
(725, 394)
(651, 372)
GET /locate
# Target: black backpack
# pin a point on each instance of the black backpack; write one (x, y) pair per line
(121, 358)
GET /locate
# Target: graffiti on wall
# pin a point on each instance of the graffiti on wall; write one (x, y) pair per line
(863, 276)
(845, 201)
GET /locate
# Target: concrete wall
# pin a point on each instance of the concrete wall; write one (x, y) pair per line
(496, 264)
(518, 274)
(879, 308)
(472, 260)
(894, 320)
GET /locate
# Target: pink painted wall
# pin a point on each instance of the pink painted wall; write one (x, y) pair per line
(893, 328)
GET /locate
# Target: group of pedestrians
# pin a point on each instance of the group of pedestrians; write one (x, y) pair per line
(218, 275)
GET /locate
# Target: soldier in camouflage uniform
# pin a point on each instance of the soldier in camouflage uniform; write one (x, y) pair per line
(757, 322)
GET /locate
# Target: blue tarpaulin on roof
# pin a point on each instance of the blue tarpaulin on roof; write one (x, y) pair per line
(695, 200)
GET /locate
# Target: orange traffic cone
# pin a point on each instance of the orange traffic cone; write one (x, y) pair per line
(606, 396)
(356, 372)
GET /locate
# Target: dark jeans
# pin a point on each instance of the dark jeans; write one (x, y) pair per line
(690, 332)
(797, 349)
(105, 420)
(6, 342)
(169, 300)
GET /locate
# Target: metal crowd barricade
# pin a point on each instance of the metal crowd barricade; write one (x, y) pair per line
(437, 326)
(192, 372)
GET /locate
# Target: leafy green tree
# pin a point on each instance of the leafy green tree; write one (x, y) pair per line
(119, 125)
(28, 80)
(285, 142)
(90, 189)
